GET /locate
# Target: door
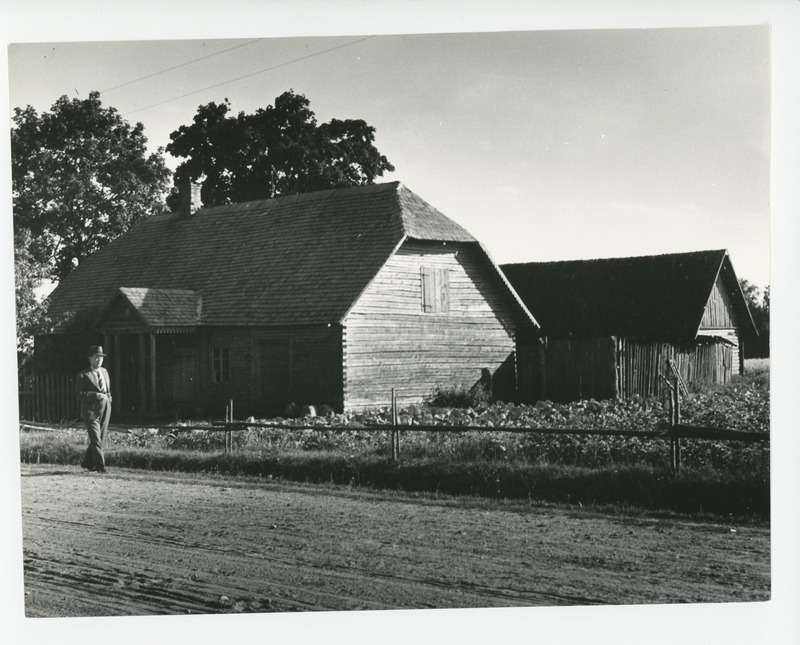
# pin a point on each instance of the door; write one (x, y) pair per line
(275, 360)
(184, 383)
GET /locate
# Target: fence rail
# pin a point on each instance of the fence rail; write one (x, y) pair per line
(676, 432)
(668, 432)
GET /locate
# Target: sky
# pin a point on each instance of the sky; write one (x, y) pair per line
(550, 130)
(545, 145)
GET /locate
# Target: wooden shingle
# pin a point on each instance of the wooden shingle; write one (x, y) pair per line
(658, 296)
(296, 259)
(165, 307)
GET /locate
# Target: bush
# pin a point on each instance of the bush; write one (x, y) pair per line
(459, 397)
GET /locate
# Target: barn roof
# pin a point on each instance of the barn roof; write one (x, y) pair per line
(296, 259)
(657, 296)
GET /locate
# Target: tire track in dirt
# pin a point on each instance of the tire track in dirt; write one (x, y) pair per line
(525, 596)
(87, 578)
(160, 543)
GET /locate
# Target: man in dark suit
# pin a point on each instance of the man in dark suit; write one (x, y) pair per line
(93, 389)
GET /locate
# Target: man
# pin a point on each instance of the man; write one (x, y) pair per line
(93, 389)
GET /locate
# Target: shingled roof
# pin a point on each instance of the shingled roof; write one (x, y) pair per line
(658, 296)
(301, 258)
(164, 307)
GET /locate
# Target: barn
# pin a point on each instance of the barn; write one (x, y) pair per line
(609, 326)
(333, 297)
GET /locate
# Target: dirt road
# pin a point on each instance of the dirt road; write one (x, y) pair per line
(138, 542)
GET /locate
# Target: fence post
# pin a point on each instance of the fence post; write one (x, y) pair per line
(225, 434)
(677, 422)
(395, 423)
(395, 455)
(229, 432)
(671, 424)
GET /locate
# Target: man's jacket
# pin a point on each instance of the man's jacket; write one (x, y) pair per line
(89, 393)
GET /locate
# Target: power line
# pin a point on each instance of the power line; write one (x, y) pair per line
(169, 69)
(239, 78)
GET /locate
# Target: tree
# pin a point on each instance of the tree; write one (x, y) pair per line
(28, 277)
(81, 176)
(278, 150)
(758, 303)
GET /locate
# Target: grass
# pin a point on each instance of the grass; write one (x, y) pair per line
(693, 490)
(756, 365)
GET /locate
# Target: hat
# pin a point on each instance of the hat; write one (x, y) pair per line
(95, 349)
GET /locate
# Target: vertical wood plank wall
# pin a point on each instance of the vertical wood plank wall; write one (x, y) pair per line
(271, 367)
(641, 363)
(600, 368)
(718, 312)
(389, 342)
(580, 369)
(719, 320)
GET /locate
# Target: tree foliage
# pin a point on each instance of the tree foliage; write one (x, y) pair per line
(28, 277)
(278, 150)
(81, 176)
(758, 302)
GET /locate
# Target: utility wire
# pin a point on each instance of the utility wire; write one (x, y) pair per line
(169, 69)
(239, 78)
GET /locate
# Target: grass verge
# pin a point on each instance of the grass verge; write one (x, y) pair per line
(744, 493)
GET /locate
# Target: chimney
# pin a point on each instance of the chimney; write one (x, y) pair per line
(190, 198)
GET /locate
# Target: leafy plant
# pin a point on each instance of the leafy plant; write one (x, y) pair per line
(458, 397)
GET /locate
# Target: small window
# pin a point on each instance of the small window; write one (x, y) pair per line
(221, 364)
(435, 290)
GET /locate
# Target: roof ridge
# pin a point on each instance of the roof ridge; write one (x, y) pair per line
(248, 261)
(422, 221)
(619, 258)
(302, 196)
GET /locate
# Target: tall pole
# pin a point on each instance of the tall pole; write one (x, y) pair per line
(672, 395)
(229, 433)
(677, 422)
(394, 428)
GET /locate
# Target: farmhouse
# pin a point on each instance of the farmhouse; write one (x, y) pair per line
(334, 297)
(611, 325)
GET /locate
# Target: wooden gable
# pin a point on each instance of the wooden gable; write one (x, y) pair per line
(718, 312)
(121, 317)
(435, 315)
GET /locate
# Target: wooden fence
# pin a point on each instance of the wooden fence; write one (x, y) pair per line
(674, 431)
(48, 397)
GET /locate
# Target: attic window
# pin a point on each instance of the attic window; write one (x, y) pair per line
(435, 290)
(220, 364)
